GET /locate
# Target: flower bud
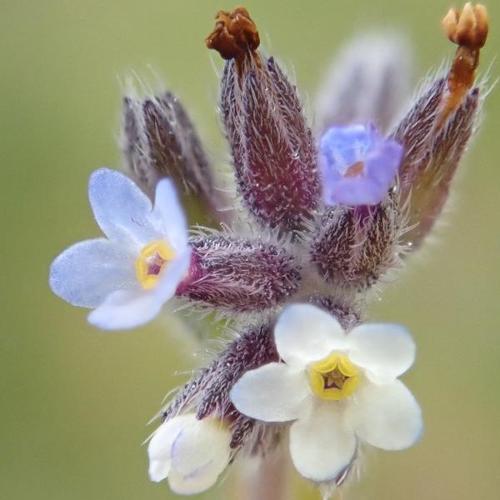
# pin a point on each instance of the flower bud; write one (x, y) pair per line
(355, 246)
(208, 393)
(368, 81)
(272, 147)
(431, 175)
(159, 140)
(236, 275)
(438, 127)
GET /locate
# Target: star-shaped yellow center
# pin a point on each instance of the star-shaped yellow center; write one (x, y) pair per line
(334, 377)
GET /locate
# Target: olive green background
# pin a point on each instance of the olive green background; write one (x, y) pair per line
(75, 401)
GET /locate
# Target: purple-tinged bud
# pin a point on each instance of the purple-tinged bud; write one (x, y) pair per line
(236, 275)
(159, 140)
(272, 147)
(438, 127)
(208, 392)
(358, 165)
(414, 132)
(354, 247)
(433, 175)
(368, 81)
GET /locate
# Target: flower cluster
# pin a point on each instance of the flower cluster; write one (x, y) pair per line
(319, 219)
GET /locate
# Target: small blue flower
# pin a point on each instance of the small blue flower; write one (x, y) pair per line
(358, 165)
(128, 276)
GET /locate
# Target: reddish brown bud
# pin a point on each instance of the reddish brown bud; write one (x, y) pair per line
(468, 29)
(235, 34)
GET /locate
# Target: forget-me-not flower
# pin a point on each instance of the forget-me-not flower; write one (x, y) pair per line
(128, 276)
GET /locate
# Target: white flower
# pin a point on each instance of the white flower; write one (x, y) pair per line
(131, 274)
(192, 453)
(338, 389)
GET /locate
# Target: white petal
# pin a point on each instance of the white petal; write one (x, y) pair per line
(273, 393)
(120, 208)
(87, 272)
(385, 350)
(174, 272)
(169, 211)
(202, 443)
(386, 416)
(160, 446)
(158, 470)
(305, 333)
(321, 446)
(126, 309)
(200, 454)
(191, 484)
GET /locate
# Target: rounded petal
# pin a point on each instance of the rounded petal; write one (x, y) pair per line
(386, 416)
(383, 163)
(272, 393)
(305, 333)
(353, 191)
(160, 446)
(200, 453)
(175, 271)
(322, 446)
(126, 309)
(169, 211)
(385, 350)
(87, 272)
(121, 209)
(192, 485)
(201, 444)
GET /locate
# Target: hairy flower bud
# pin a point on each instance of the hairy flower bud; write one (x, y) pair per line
(208, 392)
(433, 174)
(159, 140)
(368, 81)
(355, 246)
(236, 275)
(272, 146)
(438, 127)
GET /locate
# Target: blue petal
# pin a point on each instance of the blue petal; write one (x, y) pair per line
(341, 148)
(87, 272)
(169, 212)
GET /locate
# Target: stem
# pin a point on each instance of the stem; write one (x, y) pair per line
(264, 479)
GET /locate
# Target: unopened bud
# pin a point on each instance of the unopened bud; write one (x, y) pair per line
(236, 275)
(271, 144)
(368, 81)
(355, 246)
(159, 140)
(207, 394)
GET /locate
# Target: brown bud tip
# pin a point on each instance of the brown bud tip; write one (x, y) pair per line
(234, 35)
(467, 27)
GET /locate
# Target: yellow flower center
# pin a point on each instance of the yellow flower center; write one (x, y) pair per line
(151, 262)
(334, 377)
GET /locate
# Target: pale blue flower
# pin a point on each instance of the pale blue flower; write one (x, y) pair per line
(128, 276)
(358, 165)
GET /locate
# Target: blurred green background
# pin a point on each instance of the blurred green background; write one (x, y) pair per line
(75, 401)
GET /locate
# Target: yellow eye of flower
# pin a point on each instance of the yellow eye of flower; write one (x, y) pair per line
(334, 377)
(151, 262)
